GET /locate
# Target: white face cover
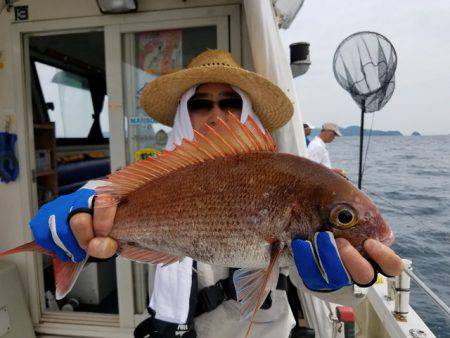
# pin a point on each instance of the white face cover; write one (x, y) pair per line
(182, 126)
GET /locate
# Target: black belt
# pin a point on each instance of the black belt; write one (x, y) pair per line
(212, 296)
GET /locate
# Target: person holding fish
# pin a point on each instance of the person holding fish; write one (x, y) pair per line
(221, 198)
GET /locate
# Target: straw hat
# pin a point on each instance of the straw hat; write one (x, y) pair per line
(160, 98)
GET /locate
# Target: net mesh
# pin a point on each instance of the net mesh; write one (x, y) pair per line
(364, 65)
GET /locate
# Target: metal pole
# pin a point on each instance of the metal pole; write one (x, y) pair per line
(430, 292)
(361, 143)
(402, 289)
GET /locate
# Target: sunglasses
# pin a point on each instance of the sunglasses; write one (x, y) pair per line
(202, 105)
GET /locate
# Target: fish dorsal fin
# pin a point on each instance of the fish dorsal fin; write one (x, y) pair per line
(225, 139)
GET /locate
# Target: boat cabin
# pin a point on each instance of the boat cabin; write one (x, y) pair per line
(70, 80)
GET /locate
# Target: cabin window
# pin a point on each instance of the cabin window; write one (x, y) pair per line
(148, 55)
(69, 102)
(71, 138)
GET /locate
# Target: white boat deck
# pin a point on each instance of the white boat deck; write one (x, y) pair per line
(384, 308)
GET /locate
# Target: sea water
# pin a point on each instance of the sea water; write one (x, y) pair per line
(408, 177)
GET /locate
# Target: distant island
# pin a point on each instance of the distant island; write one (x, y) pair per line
(416, 133)
(354, 131)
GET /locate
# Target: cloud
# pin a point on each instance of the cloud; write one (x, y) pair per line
(419, 31)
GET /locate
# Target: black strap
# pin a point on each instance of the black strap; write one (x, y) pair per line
(372, 282)
(89, 211)
(193, 297)
(294, 302)
(155, 328)
(377, 269)
(209, 298)
(79, 210)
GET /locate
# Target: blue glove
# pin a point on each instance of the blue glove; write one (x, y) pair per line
(51, 228)
(320, 267)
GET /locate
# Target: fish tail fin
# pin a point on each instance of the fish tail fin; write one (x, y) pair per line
(27, 247)
(66, 273)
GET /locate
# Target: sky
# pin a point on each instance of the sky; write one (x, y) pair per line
(420, 33)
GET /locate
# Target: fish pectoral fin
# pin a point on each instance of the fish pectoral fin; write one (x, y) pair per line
(143, 255)
(66, 274)
(253, 285)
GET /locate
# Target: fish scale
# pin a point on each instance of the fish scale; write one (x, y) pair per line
(188, 211)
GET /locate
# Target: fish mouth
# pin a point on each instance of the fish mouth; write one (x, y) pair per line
(389, 239)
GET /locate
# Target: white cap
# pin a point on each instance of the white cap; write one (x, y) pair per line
(332, 127)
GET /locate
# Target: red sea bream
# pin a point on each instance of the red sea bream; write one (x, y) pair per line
(228, 198)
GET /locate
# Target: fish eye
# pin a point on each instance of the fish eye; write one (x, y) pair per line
(343, 217)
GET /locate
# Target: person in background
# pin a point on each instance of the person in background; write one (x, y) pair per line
(317, 149)
(307, 130)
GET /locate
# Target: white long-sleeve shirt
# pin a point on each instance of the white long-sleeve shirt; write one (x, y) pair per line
(317, 151)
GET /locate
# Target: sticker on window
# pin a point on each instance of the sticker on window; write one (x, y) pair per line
(145, 153)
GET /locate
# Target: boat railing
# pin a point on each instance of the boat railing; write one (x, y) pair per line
(399, 288)
(389, 297)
